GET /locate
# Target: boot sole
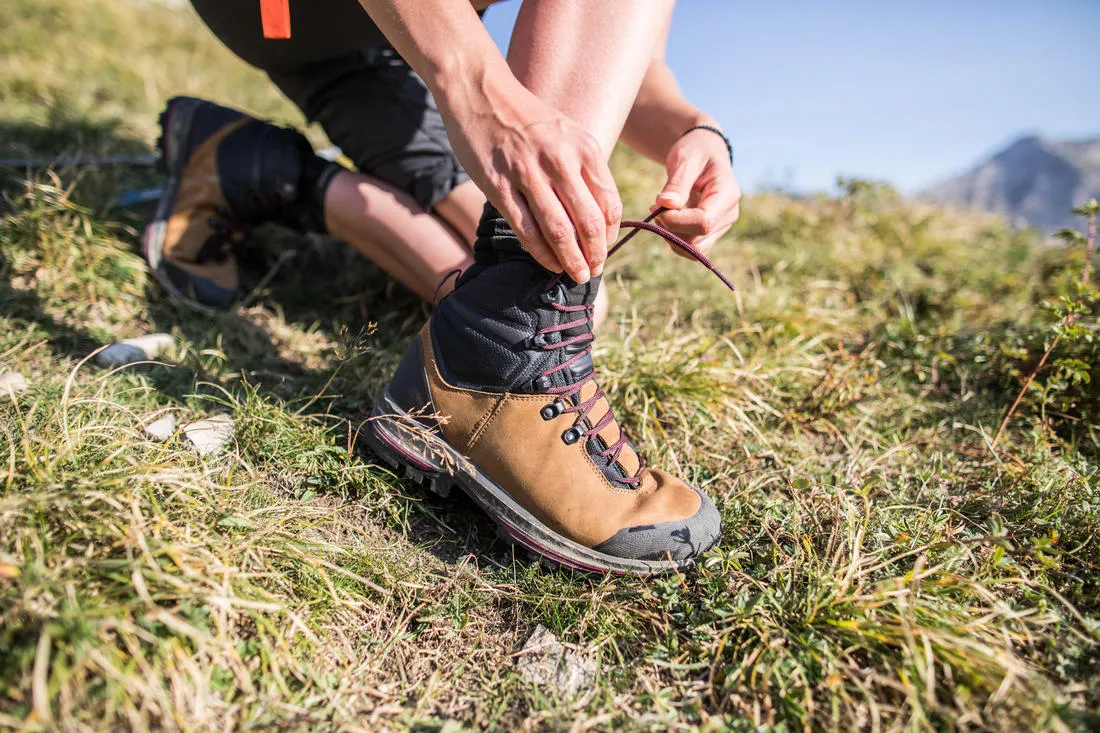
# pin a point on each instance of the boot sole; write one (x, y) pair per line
(396, 437)
(175, 123)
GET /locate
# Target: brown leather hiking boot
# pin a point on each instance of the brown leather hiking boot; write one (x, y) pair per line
(498, 396)
(227, 172)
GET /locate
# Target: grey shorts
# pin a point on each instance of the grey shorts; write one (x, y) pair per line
(376, 109)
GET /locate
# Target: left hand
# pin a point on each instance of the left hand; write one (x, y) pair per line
(702, 194)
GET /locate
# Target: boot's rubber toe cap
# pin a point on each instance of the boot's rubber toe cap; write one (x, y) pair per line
(679, 540)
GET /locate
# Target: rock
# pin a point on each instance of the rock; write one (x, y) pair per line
(128, 351)
(152, 344)
(162, 429)
(546, 661)
(120, 354)
(209, 435)
(12, 383)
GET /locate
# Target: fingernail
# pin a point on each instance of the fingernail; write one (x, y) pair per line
(597, 270)
(581, 277)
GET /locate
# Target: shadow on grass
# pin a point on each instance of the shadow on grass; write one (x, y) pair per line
(315, 285)
(65, 134)
(319, 285)
(65, 341)
(75, 140)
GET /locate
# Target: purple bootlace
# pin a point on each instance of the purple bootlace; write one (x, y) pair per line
(573, 391)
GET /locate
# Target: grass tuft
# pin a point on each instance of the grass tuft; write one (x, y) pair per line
(886, 564)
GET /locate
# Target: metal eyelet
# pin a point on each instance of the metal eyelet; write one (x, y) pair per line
(542, 384)
(573, 434)
(549, 412)
(546, 297)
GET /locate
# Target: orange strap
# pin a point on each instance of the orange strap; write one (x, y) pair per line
(275, 16)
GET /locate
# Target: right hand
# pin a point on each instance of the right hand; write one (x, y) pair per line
(546, 175)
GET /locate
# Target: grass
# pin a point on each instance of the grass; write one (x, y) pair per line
(884, 566)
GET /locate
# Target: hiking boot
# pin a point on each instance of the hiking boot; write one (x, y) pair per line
(227, 172)
(497, 396)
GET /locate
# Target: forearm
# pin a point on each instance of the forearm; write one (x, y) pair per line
(661, 114)
(446, 44)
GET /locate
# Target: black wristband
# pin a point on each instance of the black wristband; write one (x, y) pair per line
(716, 131)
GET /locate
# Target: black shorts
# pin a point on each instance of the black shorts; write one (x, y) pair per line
(369, 102)
(376, 109)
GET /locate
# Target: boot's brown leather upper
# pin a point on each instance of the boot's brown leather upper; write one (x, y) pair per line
(199, 202)
(507, 438)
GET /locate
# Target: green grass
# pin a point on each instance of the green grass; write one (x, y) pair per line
(885, 566)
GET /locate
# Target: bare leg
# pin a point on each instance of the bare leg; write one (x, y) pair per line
(394, 232)
(588, 59)
(411, 245)
(462, 210)
(585, 59)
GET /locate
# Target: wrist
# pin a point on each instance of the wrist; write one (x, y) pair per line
(653, 132)
(464, 83)
(699, 119)
(717, 133)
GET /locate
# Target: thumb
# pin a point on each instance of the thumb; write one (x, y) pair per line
(681, 179)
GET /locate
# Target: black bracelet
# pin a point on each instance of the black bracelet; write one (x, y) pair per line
(716, 131)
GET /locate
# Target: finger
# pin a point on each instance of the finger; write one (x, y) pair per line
(556, 227)
(588, 220)
(688, 223)
(606, 193)
(705, 244)
(683, 172)
(520, 217)
(713, 212)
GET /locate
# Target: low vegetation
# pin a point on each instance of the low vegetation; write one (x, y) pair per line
(905, 548)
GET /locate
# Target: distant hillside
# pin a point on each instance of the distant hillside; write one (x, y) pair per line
(1033, 181)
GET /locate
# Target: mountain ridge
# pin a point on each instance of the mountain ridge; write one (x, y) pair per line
(1034, 181)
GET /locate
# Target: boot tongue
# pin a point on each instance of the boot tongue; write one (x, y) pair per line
(572, 294)
(502, 303)
(580, 294)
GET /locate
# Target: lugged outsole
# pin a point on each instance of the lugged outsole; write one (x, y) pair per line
(174, 123)
(516, 525)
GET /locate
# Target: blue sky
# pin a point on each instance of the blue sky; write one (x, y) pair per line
(908, 92)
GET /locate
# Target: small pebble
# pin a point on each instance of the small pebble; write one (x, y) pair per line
(546, 661)
(128, 351)
(209, 435)
(162, 429)
(12, 383)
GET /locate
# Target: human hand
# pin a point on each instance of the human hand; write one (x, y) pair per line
(546, 174)
(701, 194)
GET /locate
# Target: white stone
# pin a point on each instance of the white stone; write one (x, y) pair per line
(12, 383)
(120, 354)
(162, 429)
(546, 661)
(209, 435)
(128, 351)
(152, 344)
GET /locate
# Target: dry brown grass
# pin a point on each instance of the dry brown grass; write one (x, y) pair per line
(883, 566)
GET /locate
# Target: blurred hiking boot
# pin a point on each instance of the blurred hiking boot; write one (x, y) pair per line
(497, 396)
(227, 173)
